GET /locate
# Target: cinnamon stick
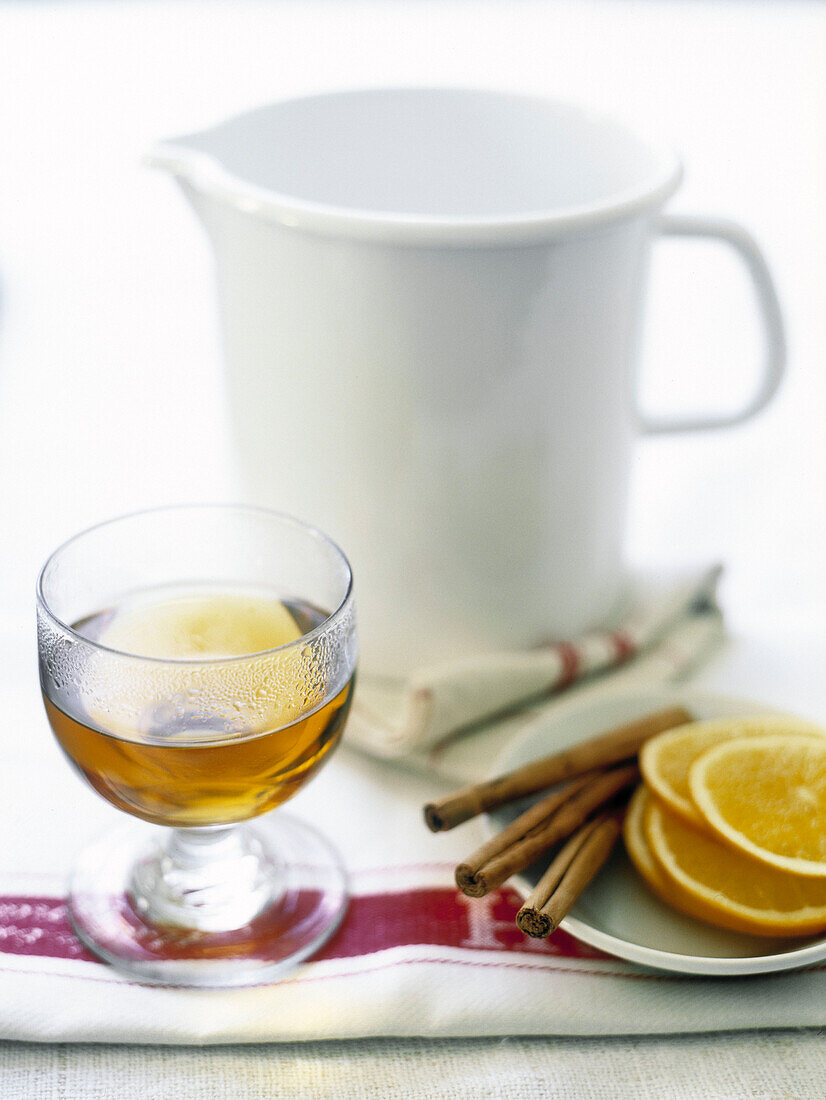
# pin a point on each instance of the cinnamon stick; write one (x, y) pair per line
(617, 744)
(527, 823)
(539, 920)
(530, 917)
(477, 880)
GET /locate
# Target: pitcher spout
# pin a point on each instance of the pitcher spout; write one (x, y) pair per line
(186, 160)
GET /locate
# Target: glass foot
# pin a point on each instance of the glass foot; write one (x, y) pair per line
(265, 896)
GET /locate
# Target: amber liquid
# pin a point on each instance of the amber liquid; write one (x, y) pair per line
(170, 780)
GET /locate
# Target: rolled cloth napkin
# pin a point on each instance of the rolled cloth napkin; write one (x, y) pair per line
(452, 718)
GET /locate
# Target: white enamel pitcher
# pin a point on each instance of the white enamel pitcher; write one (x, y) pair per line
(431, 303)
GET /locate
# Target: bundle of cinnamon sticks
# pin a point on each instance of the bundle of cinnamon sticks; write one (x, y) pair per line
(578, 821)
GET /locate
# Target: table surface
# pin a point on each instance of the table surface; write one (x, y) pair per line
(110, 382)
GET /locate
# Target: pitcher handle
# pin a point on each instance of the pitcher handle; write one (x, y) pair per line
(774, 361)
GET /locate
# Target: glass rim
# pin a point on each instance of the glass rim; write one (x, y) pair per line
(196, 662)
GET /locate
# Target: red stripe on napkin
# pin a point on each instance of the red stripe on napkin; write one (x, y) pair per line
(40, 926)
(624, 645)
(570, 659)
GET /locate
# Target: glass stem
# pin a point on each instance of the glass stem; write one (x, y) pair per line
(211, 879)
(197, 848)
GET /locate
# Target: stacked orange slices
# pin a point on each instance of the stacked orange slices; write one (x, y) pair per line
(729, 824)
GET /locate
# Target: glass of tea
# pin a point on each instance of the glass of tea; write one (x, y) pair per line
(197, 666)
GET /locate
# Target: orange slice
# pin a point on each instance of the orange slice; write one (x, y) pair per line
(668, 889)
(635, 843)
(666, 758)
(766, 796)
(169, 698)
(728, 888)
(201, 626)
(649, 869)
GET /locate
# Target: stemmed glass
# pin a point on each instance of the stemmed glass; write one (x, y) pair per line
(197, 666)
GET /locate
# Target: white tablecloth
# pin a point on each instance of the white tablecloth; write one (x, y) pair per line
(720, 1067)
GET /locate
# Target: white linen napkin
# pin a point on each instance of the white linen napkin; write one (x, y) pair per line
(411, 961)
(453, 718)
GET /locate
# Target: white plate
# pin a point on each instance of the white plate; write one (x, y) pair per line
(618, 913)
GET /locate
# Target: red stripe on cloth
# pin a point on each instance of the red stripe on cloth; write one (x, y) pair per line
(444, 918)
(624, 645)
(40, 926)
(569, 656)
